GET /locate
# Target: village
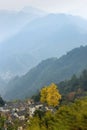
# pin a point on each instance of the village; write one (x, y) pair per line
(21, 111)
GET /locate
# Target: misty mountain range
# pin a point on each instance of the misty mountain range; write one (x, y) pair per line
(48, 71)
(44, 37)
(11, 22)
(29, 36)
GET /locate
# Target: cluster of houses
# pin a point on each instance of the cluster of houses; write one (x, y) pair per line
(20, 110)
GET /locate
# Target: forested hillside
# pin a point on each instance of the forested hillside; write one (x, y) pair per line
(48, 71)
(75, 87)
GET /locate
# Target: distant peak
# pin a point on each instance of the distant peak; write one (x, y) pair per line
(33, 10)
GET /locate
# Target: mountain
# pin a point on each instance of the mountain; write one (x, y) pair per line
(11, 22)
(48, 71)
(34, 11)
(48, 36)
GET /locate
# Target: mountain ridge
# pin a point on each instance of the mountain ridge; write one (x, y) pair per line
(48, 71)
(50, 36)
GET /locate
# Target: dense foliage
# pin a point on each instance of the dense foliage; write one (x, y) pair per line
(72, 113)
(71, 89)
(67, 117)
(50, 95)
(2, 102)
(76, 87)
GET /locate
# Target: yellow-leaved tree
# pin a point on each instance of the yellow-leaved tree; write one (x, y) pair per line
(50, 95)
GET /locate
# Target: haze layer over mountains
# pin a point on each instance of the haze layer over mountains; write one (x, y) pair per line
(34, 36)
(29, 36)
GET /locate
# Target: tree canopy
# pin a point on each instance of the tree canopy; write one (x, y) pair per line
(2, 102)
(50, 95)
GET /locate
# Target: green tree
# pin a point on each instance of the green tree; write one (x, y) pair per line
(2, 102)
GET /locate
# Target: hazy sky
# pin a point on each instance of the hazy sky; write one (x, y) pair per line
(77, 7)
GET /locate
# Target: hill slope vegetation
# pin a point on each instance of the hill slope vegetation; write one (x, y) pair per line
(48, 71)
